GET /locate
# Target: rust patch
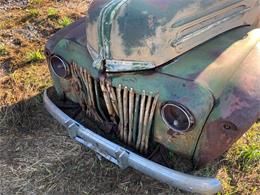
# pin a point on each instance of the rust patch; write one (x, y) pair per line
(218, 140)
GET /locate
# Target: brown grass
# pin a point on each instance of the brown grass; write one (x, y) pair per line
(36, 155)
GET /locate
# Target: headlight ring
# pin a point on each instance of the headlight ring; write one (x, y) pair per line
(59, 67)
(177, 117)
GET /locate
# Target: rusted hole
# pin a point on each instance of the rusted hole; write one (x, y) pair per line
(47, 53)
(229, 126)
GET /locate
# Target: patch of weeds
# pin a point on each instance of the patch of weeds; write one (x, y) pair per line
(249, 155)
(33, 12)
(208, 171)
(2, 49)
(246, 152)
(65, 21)
(35, 56)
(52, 13)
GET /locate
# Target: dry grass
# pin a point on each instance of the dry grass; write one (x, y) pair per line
(37, 157)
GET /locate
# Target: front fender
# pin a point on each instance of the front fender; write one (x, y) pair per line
(237, 109)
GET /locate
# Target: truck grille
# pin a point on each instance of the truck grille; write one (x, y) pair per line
(133, 113)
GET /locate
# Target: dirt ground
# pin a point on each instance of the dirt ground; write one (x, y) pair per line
(36, 154)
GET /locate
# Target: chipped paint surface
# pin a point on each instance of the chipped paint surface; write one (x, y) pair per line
(156, 31)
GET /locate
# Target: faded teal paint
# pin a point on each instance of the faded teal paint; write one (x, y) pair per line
(102, 29)
(106, 19)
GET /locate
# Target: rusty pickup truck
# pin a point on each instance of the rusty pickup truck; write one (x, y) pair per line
(183, 75)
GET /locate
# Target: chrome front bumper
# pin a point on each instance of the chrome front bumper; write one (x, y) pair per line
(125, 158)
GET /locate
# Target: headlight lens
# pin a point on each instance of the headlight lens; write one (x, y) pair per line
(177, 117)
(59, 67)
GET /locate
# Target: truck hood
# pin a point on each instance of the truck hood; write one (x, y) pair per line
(128, 35)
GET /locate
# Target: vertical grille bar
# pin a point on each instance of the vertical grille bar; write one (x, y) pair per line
(141, 119)
(136, 118)
(113, 97)
(87, 91)
(97, 95)
(91, 90)
(150, 121)
(125, 109)
(146, 115)
(120, 108)
(131, 115)
(78, 88)
(107, 99)
(88, 101)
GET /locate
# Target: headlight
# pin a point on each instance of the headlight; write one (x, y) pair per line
(177, 117)
(59, 67)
